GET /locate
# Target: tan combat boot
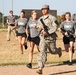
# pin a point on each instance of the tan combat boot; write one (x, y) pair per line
(39, 71)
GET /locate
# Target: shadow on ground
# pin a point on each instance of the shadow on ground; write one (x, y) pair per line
(63, 63)
(66, 72)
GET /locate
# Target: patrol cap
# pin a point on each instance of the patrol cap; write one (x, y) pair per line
(45, 7)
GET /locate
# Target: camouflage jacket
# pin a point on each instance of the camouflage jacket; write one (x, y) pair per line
(50, 22)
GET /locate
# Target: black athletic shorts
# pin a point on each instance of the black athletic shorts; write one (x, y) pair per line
(22, 34)
(66, 39)
(36, 40)
(12, 24)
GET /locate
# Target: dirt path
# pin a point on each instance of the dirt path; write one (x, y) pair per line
(48, 70)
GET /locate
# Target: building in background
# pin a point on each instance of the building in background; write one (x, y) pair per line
(28, 12)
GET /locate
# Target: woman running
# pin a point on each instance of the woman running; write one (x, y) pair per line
(34, 36)
(68, 29)
(21, 25)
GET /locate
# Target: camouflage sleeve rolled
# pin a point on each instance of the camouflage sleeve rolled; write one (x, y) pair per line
(54, 26)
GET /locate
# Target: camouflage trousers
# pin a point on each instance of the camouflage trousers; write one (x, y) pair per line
(44, 45)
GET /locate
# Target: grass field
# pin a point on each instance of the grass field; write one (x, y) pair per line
(10, 53)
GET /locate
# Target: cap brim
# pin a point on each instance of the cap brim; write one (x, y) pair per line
(44, 8)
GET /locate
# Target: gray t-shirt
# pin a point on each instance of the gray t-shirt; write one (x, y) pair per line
(68, 26)
(33, 31)
(74, 17)
(10, 19)
(21, 23)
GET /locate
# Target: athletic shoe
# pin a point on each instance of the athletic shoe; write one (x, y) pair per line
(25, 45)
(29, 65)
(70, 63)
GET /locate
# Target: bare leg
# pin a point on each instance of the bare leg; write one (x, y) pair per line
(66, 47)
(29, 65)
(38, 48)
(31, 51)
(70, 51)
(20, 43)
(23, 40)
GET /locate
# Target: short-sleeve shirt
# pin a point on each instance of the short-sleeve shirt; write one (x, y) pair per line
(74, 17)
(68, 26)
(21, 24)
(33, 31)
(11, 19)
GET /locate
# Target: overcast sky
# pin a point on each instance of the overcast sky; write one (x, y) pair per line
(61, 6)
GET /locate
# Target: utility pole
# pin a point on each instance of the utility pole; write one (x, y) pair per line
(3, 15)
(12, 5)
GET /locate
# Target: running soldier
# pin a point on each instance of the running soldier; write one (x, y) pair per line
(47, 37)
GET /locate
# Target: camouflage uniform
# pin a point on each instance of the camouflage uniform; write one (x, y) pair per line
(48, 42)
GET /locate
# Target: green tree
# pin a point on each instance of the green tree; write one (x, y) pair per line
(5, 19)
(1, 17)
